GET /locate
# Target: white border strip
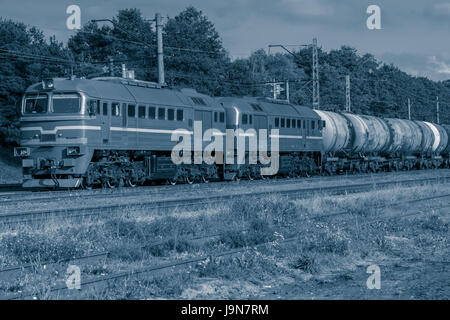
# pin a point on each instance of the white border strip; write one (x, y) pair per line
(179, 131)
(60, 128)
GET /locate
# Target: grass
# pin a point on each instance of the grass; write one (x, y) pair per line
(10, 167)
(323, 246)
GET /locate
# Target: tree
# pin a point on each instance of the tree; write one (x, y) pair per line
(25, 58)
(195, 56)
(129, 39)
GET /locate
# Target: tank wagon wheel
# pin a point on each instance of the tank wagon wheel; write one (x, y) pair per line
(236, 177)
(205, 178)
(250, 176)
(407, 168)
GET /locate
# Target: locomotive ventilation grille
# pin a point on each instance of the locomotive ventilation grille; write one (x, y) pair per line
(48, 137)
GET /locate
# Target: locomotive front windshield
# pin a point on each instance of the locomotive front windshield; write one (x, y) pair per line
(66, 103)
(36, 104)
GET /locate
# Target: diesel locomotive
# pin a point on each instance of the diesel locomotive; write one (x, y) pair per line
(114, 131)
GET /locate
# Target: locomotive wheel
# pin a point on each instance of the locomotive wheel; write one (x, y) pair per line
(236, 177)
(189, 180)
(130, 182)
(111, 183)
(205, 179)
(305, 174)
(250, 177)
(172, 181)
(84, 185)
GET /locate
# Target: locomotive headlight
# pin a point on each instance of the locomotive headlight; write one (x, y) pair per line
(47, 84)
(73, 151)
(21, 152)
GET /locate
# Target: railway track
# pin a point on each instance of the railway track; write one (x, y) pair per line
(11, 272)
(201, 201)
(44, 195)
(10, 187)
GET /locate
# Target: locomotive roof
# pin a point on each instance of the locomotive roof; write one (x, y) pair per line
(244, 104)
(126, 90)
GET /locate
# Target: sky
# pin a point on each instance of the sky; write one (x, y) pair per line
(414, 34)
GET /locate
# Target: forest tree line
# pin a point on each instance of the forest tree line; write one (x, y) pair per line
(194, 56)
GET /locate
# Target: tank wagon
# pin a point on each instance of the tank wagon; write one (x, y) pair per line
(366, 143)
(115, 131)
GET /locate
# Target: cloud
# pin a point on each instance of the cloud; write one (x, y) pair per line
(441, 67)
(307, 7)
(441, 9)
(434, 67)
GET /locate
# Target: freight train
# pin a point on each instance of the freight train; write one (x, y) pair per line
(110, 131)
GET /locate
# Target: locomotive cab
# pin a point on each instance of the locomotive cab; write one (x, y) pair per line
(56, 123)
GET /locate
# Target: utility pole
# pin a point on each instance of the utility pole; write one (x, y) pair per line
(315, 71)
(274, 89)
(437, 109)
(315, 68)
(409, 109)
(111, 67)
(287, 91)
(160, 54)
(124, 71)
(348, 104)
